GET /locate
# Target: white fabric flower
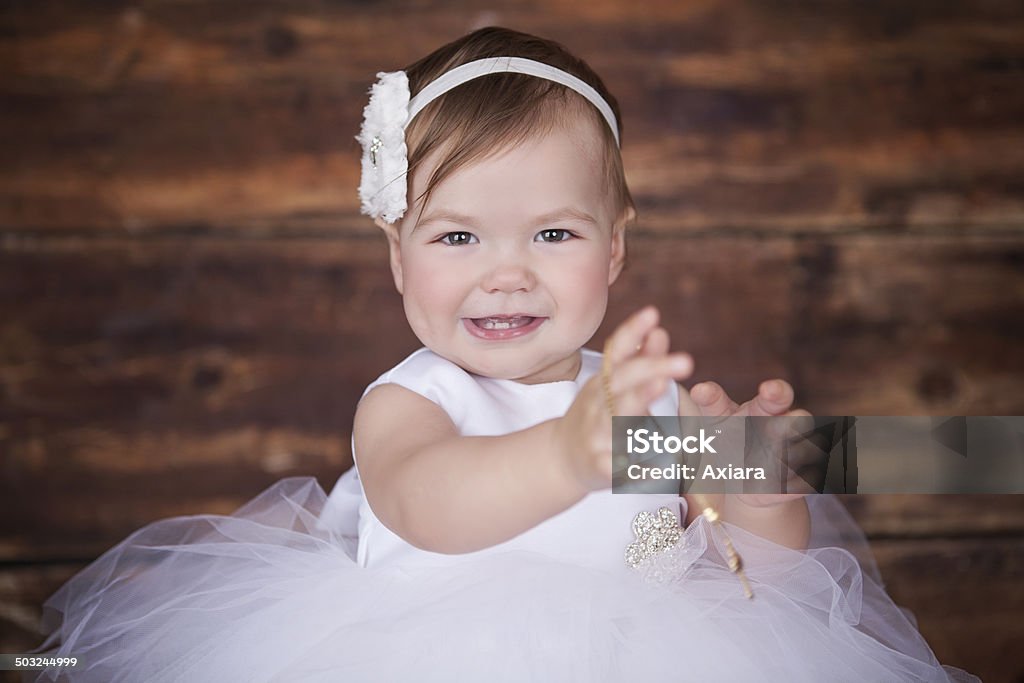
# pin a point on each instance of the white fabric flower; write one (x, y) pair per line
(382, 188)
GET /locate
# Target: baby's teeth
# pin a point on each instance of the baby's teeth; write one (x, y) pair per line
(492, 324)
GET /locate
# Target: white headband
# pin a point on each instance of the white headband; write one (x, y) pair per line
(385, 162)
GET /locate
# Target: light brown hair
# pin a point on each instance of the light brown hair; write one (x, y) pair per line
(501, 110)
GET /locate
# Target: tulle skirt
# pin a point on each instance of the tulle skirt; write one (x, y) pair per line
(272, 593)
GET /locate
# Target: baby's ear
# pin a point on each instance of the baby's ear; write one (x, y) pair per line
(394, 250)
(618, 253)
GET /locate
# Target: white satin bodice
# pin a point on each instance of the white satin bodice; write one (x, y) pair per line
(593, 532)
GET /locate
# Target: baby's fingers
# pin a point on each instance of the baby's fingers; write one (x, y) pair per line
(629, 337)
(774, 397)
(636, 383)
(656, 343)
(712, 400)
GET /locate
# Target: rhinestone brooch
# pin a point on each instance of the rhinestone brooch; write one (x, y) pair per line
(654, 532)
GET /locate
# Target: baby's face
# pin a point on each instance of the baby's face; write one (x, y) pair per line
(488, 246)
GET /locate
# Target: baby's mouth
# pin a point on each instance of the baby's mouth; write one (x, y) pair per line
(503, 322)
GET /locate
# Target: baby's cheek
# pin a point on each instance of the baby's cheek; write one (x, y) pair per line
(593, 279)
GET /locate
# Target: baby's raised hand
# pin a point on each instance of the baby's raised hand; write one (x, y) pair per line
(639, 369)
(774, 398)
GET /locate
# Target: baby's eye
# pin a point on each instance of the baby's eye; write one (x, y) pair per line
(554, 233)
(460, 238)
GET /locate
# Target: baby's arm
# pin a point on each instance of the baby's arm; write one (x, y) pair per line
(448, 493)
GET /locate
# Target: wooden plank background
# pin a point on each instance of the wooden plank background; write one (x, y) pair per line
(191, 304)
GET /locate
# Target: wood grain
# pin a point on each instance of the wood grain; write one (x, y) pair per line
(966, 597)
(232, 116)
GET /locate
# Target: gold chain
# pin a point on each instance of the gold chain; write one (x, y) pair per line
(735, 561)
(606, 380)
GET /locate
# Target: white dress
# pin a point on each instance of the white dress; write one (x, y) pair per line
(299, 586)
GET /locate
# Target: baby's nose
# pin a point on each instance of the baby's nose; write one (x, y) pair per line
(509, 277)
